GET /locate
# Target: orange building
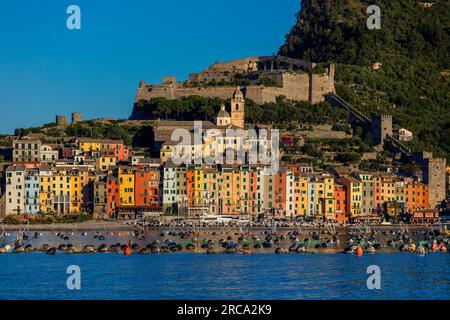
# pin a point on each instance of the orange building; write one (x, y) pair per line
(115, 149)
(280, 192)
(377, 192)
(190, 185)
(112, 195)
(147, 189)
(416, 196)
(254, 202)
(340, 202)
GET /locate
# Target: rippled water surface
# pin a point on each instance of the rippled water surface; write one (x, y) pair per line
(201, 276)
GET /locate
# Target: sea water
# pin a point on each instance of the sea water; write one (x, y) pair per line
(202, 276)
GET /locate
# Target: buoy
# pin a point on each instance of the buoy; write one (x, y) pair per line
(127, 251)
(435, 246)
(359, 250)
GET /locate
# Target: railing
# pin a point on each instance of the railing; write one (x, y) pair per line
(363, 118)
(397, 143)
(355, 112)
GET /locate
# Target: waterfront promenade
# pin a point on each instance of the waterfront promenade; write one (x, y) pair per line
(122, 226)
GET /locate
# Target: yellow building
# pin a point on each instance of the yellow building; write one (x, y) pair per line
(88, 145)
(166, 152)
(355, 197)
(319, 195)
(61, 187)
(46, 193)
(103, 163)
(387, 189)
(126, 191)
(199, 192)
(301, 195)
(244, 191)
(75, 192)
(227, 190)
(236, 198)
(212, 185)
(329, 209)
(353, 189)
(324, 197)
(400, 191)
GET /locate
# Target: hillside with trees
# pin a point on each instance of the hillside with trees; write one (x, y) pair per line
(200, 108)
(412, 47)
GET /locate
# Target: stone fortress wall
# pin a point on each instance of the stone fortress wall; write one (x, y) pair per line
(292, 77)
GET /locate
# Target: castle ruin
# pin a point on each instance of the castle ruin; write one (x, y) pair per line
(434, 174)
(381, 128)
(262, 79)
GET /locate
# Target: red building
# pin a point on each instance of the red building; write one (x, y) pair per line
(340, 201)
(147, 189)
(113, 194)
(67, 152)
(287, 140)
(117, 150)
(190, 186)
(121, 152)
(280, 191)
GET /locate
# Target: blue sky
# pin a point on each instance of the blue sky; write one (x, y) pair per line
(46, 69)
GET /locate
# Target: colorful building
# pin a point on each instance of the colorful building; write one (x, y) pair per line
(368, 192)
(126, 191)
(46, 194)
(112, 195)
(61, 187)
(340, 203)
(147, 189)
(75, 192)
(416, 196)
(353, 195)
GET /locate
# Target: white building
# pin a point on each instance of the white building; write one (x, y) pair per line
(223, 118)
(15, 188)
(32, 192)
(169, 186)
(405, 135)
(290, 202)
(135, 159)
(48, 154)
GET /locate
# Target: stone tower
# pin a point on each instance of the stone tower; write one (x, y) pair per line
(433, 171)
(381, 128)
(77, 117)
(61, 120)
(238, 109)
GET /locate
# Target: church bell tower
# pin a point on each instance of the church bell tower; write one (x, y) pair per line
(237, 109)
